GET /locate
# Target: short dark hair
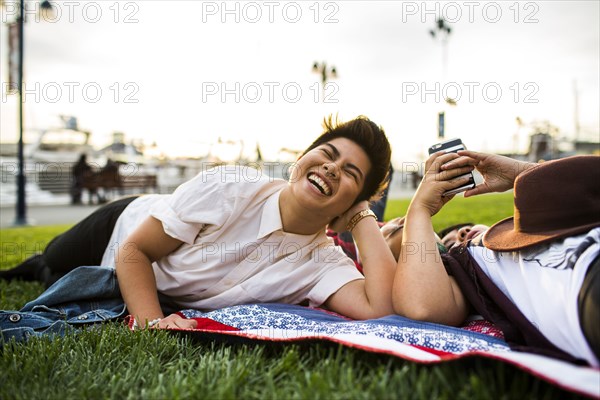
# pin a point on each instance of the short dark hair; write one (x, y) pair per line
(451, 228)
(371, 138)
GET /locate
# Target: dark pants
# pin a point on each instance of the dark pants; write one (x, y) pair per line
(85, 243)
(82, 245)
(589, 306)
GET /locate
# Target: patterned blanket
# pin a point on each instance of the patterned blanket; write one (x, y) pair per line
(408, 339)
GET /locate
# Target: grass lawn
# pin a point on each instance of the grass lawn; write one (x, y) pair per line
(485, 209)
(110, 362)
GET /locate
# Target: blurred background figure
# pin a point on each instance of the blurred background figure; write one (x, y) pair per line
(80, 172)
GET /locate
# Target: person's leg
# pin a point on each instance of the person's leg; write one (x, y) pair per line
(589, 306)
(29, 270)
(76, 193)
(83, 244)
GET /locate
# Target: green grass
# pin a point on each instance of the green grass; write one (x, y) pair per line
(110, 362)
(486, 209)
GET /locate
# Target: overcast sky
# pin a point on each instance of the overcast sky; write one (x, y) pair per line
(156, 70)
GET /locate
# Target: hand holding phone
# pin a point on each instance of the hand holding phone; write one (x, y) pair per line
(453, 146)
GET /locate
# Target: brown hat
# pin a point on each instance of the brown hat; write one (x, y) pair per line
(552, 200)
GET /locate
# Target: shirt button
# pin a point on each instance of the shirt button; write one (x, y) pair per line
(82, 317)
(14, 318)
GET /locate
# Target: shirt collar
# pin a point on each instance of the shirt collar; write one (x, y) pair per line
(270, 220)
(271, 223)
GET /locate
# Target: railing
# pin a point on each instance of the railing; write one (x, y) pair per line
(56, 178)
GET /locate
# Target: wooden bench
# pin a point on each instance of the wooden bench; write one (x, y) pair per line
(144, 182)
(107, 184)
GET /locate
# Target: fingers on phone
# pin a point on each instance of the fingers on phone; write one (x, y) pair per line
(453, 173)
(460, 161)
(479, 189)
(472, 154)
(469, 193)
(443, 156)
(433, 157)
(453, 181)
(439, 159)
(430, 161)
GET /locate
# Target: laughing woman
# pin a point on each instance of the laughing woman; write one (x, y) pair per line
(231, 236)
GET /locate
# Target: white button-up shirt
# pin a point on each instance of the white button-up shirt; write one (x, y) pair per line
(234, 249)
(544, 282)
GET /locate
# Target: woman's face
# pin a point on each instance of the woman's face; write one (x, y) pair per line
(328, 179)
(461, 235)
(393, 230)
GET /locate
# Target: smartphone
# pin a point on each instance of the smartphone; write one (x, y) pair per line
(453, 146)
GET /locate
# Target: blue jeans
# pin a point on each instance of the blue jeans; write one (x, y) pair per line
(84, 296)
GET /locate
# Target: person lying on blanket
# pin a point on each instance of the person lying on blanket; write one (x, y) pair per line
(535, 275)
(392, 233)
(233, 236)
(457, 234)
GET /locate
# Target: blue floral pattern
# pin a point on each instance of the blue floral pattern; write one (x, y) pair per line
(295, 322)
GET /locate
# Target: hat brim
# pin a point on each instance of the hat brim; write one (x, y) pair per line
(503, 237)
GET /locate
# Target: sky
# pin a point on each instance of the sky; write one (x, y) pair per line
(183, 73)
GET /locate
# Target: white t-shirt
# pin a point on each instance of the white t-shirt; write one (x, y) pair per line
(544, 283)
(234, 249)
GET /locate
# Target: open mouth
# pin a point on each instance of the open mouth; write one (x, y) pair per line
(319, 183)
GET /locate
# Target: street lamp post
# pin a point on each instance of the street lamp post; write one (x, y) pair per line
(442, 30)
(21, 208)
(325, 72)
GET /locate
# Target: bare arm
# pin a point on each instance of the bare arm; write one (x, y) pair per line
(146, 244)
(499, 172)
(422, 289)
(370, 297)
